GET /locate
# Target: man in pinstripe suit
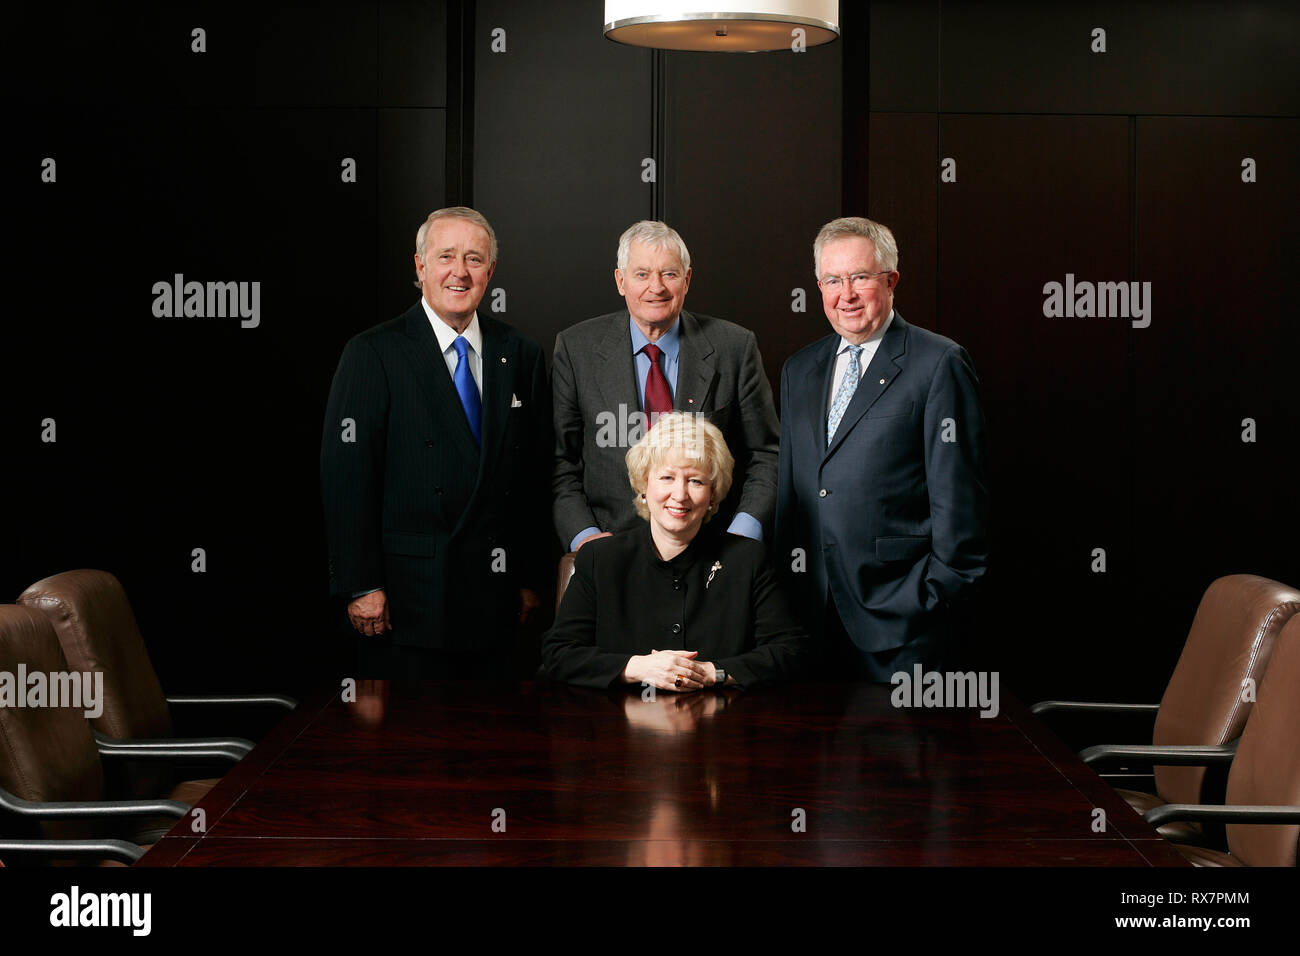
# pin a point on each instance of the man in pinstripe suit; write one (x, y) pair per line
(435, 464)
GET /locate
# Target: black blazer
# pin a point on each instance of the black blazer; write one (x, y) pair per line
(891, 519)
(449, 530)
(623, 601)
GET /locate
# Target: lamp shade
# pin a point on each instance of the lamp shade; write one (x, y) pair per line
(723, 26)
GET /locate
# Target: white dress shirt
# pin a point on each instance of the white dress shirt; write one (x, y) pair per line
(447, 335)
(842, 359)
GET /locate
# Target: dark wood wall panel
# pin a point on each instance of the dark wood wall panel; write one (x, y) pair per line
(413, 38)
(1038, 197)
(1102, 434)
(184, 433)
(562, 122)
(904, 65)
(177, 433)
(904, 195)
(411, 184)
(327, 53)
(1194, 57)
(1017, 56)
(1221, 256)
(753, 170)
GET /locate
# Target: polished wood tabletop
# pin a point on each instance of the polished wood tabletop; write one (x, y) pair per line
(541, 774)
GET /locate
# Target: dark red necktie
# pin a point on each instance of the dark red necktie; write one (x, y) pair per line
(658, 399)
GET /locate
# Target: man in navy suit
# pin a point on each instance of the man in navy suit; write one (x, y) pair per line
(435, 471)
(882, 502)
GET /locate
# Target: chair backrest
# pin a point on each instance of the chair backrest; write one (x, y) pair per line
(97, 629)
(562, 578)
(46, 752)
(1266, 769)
(1230, 641)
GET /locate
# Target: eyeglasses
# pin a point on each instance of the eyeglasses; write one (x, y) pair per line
(858, 281)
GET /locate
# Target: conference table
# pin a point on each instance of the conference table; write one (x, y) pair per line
(385, 774)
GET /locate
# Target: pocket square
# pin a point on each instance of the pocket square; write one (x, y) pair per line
(515, 402)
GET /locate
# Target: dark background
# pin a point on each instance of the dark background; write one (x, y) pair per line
(225, 166)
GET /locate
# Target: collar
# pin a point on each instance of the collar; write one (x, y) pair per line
(669, 343)
(872, 340)
(446, 334)
(702, 546)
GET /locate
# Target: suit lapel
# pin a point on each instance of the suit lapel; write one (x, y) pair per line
(500, 356)
(615, 373)
(696, 368)
(435, 382)
(881, 373)
(809, 393)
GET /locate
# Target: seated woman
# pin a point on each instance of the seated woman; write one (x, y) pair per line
(670, 604)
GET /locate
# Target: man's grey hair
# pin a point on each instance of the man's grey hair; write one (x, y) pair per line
(652, 233)
(455, 212)
(881, 238)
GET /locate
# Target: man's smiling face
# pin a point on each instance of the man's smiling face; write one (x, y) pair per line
(456, 268)
(653, 285)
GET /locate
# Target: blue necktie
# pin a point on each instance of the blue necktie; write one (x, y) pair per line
(848, 385)
(467, 390)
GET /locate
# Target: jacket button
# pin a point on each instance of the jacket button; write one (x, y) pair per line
(428, 442)
(677, 628)
(677, 585)
(822, 493)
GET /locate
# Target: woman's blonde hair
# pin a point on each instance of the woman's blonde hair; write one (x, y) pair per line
(681, 436)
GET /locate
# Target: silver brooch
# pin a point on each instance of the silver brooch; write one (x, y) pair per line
(717, 566)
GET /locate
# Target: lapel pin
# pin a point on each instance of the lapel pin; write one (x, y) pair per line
(690, 401)
(503, 362)
(717, 566)
(882, 381)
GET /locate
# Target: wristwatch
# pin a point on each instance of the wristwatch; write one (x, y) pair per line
(720, 677)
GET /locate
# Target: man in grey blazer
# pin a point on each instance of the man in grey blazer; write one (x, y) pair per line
(614, 373)
(882, 512)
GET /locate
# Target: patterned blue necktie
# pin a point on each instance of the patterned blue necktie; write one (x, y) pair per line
(467, 390)
(848, 385)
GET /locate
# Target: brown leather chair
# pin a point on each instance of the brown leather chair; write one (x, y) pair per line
(1231, 639)
(1262, 810)
(98, 631)
(563, 576)
(51, 776)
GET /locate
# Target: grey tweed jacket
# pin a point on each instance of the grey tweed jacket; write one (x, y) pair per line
(720, 375)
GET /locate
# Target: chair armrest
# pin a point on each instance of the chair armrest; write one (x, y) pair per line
(234, 700)
(1166, 756)
(1094, 707)
(233, 749)
(1170, 812)
(92, 809)
(118, 850)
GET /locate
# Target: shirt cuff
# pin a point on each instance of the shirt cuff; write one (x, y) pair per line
(357, 594)
(747, 526)
(582, 536)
